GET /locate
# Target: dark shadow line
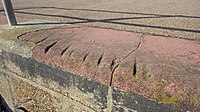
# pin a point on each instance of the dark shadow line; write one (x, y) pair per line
(108, 21)
(52, 23)
(51, 15)
(157, 27)
(2, 9)
(115, 19)
(5, 105)
(122, 12)
(84, 18)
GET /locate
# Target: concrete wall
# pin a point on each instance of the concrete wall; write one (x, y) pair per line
(28, 85)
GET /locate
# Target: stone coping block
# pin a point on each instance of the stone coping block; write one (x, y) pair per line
(161, 69)
(88, 93)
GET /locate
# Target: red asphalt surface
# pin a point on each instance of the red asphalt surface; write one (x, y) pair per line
(3, 20)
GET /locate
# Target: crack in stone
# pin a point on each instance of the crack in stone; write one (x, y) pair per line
(139, 44)
(115, 65)
(112, 74)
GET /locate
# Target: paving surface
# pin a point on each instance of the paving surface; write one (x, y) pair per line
(176, 18)
(160, 68)
(3, 20)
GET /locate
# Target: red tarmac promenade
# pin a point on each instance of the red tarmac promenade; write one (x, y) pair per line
(160, 68)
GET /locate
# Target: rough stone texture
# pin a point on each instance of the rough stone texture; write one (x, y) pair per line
(162, 69)
(9, 42)
(39, 87)
(89, 93)
(89, 52)
(34, 99)
(130, 102)
(5, 91)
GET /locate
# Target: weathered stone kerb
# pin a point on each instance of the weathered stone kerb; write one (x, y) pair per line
(163, 69)
(63, 90)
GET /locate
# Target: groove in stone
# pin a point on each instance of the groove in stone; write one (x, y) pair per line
(85, 57)
(63, 51)
(71, 53)
(99, 60)
(41, 40)
(135, 68)
(49, 47)
(19, 36)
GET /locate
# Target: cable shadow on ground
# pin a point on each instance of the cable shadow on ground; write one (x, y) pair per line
(111, 21)
(106, 11)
